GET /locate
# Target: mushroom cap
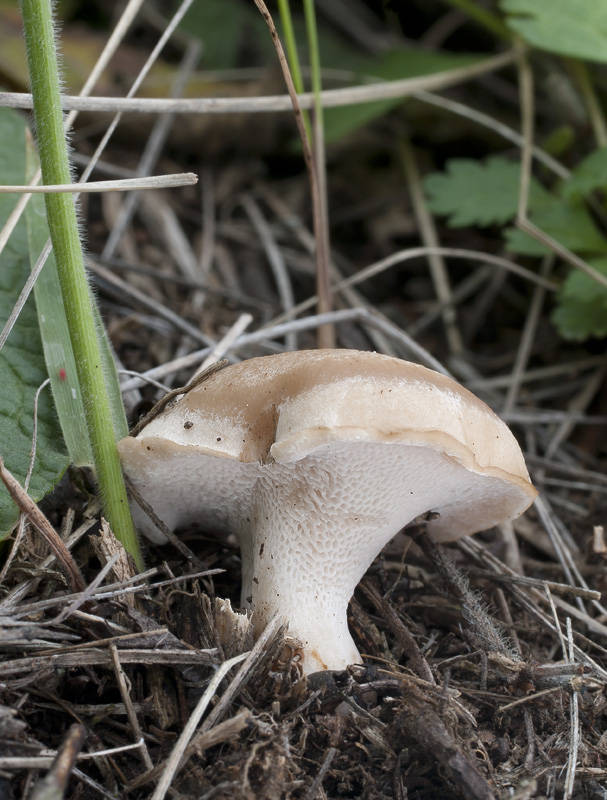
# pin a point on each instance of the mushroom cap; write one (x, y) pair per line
(283, 408)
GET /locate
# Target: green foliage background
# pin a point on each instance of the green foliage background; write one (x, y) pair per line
(22, 365)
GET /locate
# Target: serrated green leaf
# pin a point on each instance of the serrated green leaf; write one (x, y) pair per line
(22, 367)
(581, 310)
(570, 224)
(521, 244)
(588, 175)
(575, 28)
(473, 192)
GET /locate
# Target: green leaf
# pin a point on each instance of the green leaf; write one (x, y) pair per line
(581, 310)
(590, 174)
(391, 66)
(473, 192)
(58, 354)
(575, 28)
(219, 26)
(22, 367)
(571, 225)
(560, 141)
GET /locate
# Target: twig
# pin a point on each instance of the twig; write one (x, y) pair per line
(26, 483)
(121, 185)
(275, 259)
(527, 338)
(180, 546)
(128, 705)
(522, 220)
(168, 657)
(424, 725)
(320, 776)
(429, 236)
(224, 344)
(44, 528)
(331, 98)
(153, 146)
(421, 252)
(416, 658)
(222, 732)
(574, 724)
(159, 407)
(87, 593)
(536, 583)
(53, 785)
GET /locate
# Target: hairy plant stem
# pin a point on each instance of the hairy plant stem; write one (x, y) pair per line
(63, 226)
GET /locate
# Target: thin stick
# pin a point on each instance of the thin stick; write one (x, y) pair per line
(26, 484)
(562, 252)
(574, 725)
(527, 107)
(112, 44)
(128, 15)
(180, 546)
(128, 705)
(494, 125)
(121, 185)
(527, 338)
(429, 236)
(326, 333)
(275, 259)
(316, 786)
(593, 105)
(420, 252)
(224, 344)
(54, 784)
(153, 146)
(86, 594)
(44, 528)
(331, 98)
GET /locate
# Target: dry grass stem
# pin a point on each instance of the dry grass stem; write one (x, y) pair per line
(331, 98)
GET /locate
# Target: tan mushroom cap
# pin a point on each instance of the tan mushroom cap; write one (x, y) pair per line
(314, 460)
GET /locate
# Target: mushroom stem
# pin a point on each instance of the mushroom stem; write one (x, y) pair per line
(321, 627)
(311, 548)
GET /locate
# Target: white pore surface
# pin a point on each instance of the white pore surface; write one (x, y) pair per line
(310, 529)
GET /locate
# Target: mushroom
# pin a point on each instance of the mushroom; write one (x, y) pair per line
(315, 460)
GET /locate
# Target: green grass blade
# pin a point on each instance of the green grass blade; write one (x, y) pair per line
(22, 367)
(54, 331)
